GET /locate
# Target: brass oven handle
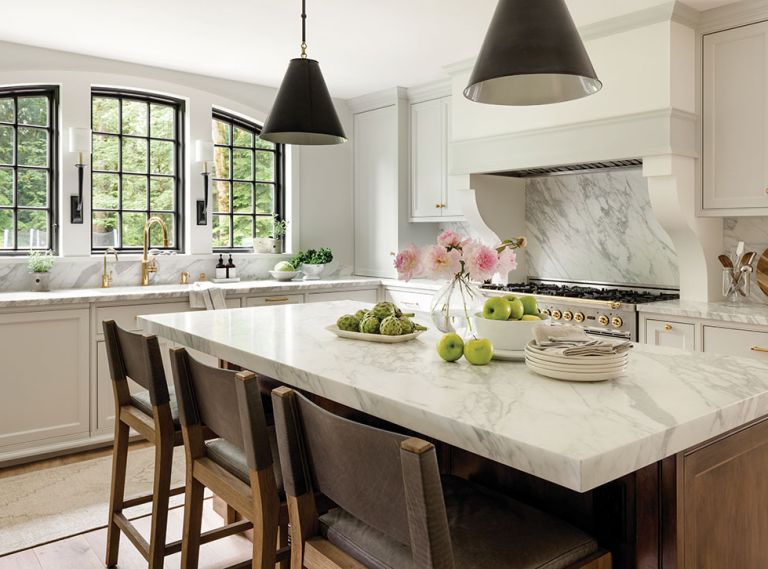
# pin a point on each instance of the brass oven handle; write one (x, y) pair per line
(612, 304)
(759, 349)
(281, 299)
(667, 327)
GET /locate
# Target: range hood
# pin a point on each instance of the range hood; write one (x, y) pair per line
(572, 168)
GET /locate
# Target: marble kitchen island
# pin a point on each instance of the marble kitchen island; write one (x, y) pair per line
(623, 459)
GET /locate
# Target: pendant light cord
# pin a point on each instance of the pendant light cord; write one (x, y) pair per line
(303, 29)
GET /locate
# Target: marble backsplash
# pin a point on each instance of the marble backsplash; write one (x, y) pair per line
(754, 232)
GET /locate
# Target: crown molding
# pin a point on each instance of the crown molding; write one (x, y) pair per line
(428, 91)
(377, 100)
(733, 15)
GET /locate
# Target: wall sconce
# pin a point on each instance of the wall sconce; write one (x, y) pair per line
(204, 154)
(80, 142)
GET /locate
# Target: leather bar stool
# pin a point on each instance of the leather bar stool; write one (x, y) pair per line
(395, 511)
(240, 465)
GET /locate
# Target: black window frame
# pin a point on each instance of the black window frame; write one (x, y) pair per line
(278, 213)
(51, 92)
(179, 106)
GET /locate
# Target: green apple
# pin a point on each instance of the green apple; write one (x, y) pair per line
(510, 297)
(496, 308)
(531, 318)
(529, 305)
(450, 347)
(478, 351)
(285, 266)
(516, 309)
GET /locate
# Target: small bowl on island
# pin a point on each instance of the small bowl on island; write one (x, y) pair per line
(508, 321)
(284, 271)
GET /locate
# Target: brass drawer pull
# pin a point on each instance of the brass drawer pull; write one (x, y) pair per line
(281, 299)
(667, 327)
(759, 349)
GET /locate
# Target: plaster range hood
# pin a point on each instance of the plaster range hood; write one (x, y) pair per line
(583, 168)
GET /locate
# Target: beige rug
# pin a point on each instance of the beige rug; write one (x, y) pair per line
(46, 505)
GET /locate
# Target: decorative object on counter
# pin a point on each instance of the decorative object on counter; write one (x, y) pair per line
(40, 264)
(231, 269)
(384, 323)
(204, 154)
(509, 335)
(737, 274)
(532, 55)
(284, 271)
(221, 268)
(80, 143)
(312, 262)
(462, 261)
(106, 277)
(184, 278)
(202, 277)
(274, 244)
(762, 272)
(303, 112)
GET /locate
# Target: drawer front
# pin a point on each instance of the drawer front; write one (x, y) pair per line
(408, 300)
(359, 295)
(127, 316)
(735, 342)
(671, 334)
(274, 300)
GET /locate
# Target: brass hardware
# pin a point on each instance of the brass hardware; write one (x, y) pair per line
(437, 205)
(612, 304)
(667, 327)
(578, 317)
(759, 349)
(567, 315)
(546, 312)
(281, 299)
(556, 314)
(148, 266)
(616, 322)
(202, 277)
(603, 320)
(184, 278)
(106, 278)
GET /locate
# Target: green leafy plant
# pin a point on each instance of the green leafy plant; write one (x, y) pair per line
(40, 261)
(313, 257)
(280, 228)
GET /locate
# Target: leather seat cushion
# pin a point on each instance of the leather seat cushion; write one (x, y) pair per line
(232, 458)
(487, 530)
(142, 401)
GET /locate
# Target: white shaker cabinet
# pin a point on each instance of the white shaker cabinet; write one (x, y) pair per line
(671, 334)
(735, 121)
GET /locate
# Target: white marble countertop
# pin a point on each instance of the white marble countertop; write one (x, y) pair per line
(115, 294)
(745, 313)
(578, 435)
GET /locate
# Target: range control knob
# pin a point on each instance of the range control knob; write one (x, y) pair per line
(578, 317)
(616, 322)
(567, 315)
(556, 314)
(546, 312)
(603, 320)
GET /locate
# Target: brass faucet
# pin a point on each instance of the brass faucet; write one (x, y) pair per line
(106, 277)
(148, 266)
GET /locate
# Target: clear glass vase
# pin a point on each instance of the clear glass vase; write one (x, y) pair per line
(454, 304)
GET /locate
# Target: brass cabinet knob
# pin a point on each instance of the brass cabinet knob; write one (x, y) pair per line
(567, 315)
(556, 314)
(603, 320)
(759, 349)
(578, 317)
(437, 205)
(616, 322)
(667, 327)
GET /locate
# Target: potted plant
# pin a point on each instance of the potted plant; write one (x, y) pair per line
(273, 244)
(312, 262)
(40, 264)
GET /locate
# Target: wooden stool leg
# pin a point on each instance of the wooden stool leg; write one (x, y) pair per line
(282, 541)
(193, 517)
(117, 490)
(161, 495)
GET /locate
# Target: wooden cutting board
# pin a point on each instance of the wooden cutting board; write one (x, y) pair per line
(762, 272)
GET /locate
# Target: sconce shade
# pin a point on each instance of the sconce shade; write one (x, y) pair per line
(80, 140)
(532, 55)
(303, 112)
(203, 151)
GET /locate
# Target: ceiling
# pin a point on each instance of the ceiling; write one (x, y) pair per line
(362, 45)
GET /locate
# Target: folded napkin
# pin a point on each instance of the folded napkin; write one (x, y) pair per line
(205, 295)
(574, 341)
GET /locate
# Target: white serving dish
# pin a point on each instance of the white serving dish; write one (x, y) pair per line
(311, 272)
(284, 275)
(573, 376)
(506, 335)
(577, 368)
(380, 338)
(540, 353)
(509, 355)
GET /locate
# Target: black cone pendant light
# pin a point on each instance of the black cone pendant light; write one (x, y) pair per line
(303, 112)
(532, 55)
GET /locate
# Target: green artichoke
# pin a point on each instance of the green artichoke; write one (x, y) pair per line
(391, 326)
(348, 322)
(361, 314)
(383, 309)
(407, 325)
(370, 325)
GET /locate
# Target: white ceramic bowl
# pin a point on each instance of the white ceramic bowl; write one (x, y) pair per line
(512, 335)
(311, 272)
(284, 275)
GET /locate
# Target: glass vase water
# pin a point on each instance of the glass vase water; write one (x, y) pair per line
(454, 305)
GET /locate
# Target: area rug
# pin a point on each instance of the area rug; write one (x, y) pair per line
(58, 502)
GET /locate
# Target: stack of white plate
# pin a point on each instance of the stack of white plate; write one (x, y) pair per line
(575, 368)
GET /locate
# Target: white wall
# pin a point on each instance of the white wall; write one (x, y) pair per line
(318, 179)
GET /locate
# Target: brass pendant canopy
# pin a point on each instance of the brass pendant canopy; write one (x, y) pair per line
(532, 55)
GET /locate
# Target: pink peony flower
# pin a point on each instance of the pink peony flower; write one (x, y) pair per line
(408, 262)
(448, 239)
(441, 263)
(480, 261)
(507, 262)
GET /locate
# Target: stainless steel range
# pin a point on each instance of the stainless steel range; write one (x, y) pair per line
(600, 310)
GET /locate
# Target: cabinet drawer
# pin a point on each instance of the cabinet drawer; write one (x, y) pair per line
(360, 295)
(274, 299)
(408, 300)
(126, 316)
(671, 334)
(733, 342)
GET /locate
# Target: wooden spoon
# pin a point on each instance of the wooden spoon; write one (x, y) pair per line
(762, 272)
(725, 260)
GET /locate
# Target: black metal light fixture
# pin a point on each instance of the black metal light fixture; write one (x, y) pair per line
(532, 55)
(303, 112)
(203, 153)
(80, 143)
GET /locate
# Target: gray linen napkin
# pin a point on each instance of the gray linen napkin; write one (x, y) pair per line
(574, 341)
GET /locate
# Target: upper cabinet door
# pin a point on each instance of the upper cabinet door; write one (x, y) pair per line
(428, 159)
(451, 206)
(735, 119)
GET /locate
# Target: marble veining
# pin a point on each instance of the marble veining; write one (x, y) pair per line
(578, 435)
(744, 313)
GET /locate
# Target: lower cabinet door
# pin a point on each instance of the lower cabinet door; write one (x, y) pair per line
(671, 334)
(45, 375)
(360, 295)
(734, 342)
